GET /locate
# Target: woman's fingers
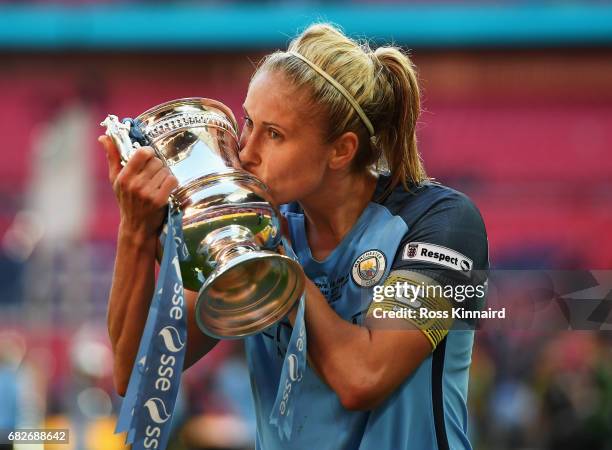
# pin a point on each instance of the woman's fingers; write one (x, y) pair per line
(142, 187)
(151, 178)
(143, 171)
(133, 178)
(169, 184)
(112, 156)
(151, 168)
(158, 178)
(137, 162)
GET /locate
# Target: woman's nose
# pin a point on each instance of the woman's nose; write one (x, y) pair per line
(249, 157)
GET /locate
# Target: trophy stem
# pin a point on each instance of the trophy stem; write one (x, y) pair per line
(249, 289)
(225, 243)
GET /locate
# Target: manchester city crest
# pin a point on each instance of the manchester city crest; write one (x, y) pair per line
(369, 268)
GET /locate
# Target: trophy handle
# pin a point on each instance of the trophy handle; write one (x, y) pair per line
(127, 136)
(119, 132)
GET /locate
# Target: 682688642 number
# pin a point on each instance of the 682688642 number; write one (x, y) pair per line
(35, 436)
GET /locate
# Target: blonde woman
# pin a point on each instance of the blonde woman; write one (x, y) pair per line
(319, 118)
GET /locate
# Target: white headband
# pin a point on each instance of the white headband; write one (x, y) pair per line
(347, 95)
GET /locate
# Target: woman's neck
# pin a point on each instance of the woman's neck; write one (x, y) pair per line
(331, 213)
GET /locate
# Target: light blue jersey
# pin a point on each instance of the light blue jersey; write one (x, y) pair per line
(428, 410)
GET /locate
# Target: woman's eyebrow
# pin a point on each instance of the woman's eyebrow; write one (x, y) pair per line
(272, 124)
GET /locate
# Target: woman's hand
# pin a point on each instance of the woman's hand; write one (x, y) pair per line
(142, 189)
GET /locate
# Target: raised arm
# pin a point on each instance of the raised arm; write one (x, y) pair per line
(142, 189)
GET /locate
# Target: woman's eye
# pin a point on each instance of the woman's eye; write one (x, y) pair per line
(248, 122)
(273, 134)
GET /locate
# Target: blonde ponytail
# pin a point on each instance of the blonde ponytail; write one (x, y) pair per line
(398, 140)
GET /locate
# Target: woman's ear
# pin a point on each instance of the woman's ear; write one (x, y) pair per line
(343, 151)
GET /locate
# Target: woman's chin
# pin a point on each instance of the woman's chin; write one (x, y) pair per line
(278, 199)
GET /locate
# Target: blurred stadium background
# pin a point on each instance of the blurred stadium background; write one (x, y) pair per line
(517, 114)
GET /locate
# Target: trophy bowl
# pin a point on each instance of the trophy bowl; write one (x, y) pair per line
(230, 226)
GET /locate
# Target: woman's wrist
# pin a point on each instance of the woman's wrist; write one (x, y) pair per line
(139, 237)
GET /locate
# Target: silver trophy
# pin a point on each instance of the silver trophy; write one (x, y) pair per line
(229, 224)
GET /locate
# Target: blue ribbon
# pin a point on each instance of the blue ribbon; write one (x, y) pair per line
(147, 408)
(293, 369)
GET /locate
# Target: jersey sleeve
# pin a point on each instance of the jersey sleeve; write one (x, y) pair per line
(439, 267)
